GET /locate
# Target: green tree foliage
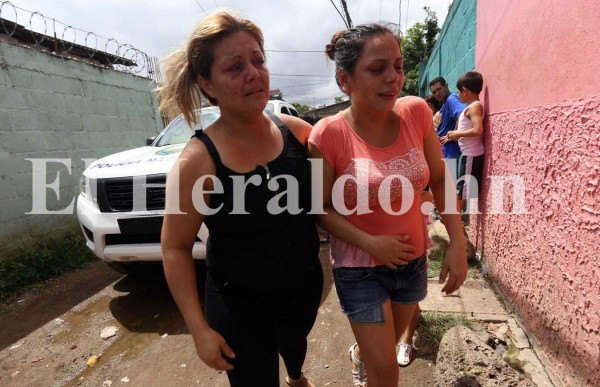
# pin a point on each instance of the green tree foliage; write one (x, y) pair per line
(301, 107)
(416, 48)
(340, 99)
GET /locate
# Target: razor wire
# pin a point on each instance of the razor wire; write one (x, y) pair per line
(67, 40)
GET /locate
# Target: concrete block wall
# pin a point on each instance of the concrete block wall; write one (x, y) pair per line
(454, 51)
(53, 107)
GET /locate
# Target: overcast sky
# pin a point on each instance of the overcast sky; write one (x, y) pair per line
(159, 26)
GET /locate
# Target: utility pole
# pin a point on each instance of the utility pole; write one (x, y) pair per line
(345, 7)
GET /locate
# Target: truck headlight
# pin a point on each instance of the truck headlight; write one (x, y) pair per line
(83, 186)
(88, 188)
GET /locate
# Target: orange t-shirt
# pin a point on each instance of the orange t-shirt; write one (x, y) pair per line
(374, 181)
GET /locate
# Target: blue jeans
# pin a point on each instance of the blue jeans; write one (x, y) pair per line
(363, 290)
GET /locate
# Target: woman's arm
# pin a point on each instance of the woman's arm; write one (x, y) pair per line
(444, 195)
(389, 249)
(437, 119)
(178, 236)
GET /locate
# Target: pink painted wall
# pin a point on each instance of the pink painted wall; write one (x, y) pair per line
(539, 52)
(541, 62)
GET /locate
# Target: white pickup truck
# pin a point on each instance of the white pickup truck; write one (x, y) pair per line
(118, 233)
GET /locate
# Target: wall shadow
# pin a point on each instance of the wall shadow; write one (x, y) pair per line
(146, 305)
(488, 167)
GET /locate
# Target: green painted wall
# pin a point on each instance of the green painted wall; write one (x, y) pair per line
(454, 51)
(54, 107)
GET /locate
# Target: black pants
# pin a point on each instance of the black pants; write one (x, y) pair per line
(260, 325)
(469, 166)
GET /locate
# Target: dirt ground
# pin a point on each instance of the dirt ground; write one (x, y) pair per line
(49, 334)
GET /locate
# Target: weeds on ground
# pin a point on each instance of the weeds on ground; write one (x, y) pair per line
(33, 266)
(433, 325)
(436, 258)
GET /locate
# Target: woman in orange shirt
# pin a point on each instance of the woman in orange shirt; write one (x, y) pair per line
(377, 156)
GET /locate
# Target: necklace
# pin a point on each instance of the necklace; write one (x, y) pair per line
(266, 168)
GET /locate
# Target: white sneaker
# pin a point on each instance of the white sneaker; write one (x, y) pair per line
(405, 355)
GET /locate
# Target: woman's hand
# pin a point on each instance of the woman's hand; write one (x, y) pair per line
(454, 265)
(391, 250)
(211, 347)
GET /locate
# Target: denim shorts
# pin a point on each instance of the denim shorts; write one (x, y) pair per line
(363, 290)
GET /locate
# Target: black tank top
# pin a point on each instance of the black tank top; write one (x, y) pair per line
(260, 250)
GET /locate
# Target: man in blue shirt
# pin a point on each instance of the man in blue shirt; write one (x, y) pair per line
(451, 109)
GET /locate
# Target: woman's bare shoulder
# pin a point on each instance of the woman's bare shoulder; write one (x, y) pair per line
(195, 160)
(300, 128)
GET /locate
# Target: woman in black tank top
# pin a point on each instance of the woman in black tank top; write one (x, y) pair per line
(247, 177)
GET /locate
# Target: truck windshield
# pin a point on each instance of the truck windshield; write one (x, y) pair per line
(179, 132)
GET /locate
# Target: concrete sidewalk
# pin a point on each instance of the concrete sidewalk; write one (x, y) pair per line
(475, 300)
